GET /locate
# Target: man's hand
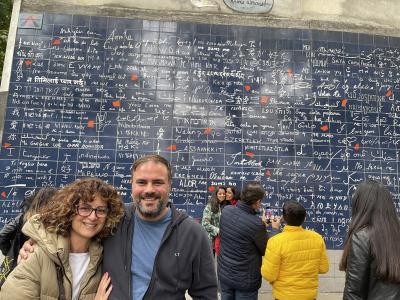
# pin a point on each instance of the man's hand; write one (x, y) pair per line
(276, 222)
(105, 288)
(27, 248)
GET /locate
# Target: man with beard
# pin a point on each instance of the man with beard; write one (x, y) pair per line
(157, 251)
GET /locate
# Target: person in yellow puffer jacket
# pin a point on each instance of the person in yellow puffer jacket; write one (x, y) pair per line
(294, 258)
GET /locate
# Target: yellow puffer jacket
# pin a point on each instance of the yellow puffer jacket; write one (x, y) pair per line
(36, 278)
(292, 262)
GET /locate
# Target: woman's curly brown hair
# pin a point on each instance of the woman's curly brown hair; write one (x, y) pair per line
(57, 215)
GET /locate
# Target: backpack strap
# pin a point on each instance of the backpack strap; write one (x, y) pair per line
(60, 276)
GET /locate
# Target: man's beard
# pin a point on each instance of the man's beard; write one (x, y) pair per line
(161, 204)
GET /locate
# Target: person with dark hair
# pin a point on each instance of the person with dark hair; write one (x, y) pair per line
(371, 255)
(11, 236)
(243, 241)
(231, 195)
(294, 257)
(157, 251)
(67, 256)
(212, 214)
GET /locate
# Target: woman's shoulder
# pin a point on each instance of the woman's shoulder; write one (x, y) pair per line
(362, 233)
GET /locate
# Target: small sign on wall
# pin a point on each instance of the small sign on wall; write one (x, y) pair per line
(250, 6)
(30, 21)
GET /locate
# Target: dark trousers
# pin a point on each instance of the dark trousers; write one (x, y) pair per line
(228, 293)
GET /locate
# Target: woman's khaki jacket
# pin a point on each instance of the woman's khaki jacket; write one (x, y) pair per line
(36, 278)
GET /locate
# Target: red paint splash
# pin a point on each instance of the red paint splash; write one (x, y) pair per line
(116, 103)
(324, 128)
(6, 145)
(211, 188)
(268, 173)
(249, 154)
(134, 77)
(28, 62)
(172, 147)
(207, 130)
(357, 147)
(4, 194)
(56, 42)
(344, 102)
(247, 88)
(389, 93)
(90, 124)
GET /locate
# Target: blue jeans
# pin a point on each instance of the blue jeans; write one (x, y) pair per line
(228, 293)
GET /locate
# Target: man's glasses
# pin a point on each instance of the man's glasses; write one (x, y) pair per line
(86, 211)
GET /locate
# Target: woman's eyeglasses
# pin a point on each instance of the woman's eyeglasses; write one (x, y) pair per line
(86, 211)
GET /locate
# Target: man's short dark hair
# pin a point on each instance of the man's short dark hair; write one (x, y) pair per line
(252, 192)
(294, 213)
(154, 158)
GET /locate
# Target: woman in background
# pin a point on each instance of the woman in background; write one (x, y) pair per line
(66, 260)
(371, 256)
(231, 195)
(11, 236)
(212, 214)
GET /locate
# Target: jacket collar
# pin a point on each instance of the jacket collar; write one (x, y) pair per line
(246, 208)
(289, 228)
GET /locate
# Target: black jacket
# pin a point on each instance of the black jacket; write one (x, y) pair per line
(243, 242)
(183, 262)
(361, 282)
(11, 240)
(10, 232)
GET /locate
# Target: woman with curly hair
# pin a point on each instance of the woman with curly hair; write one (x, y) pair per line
(66, 260)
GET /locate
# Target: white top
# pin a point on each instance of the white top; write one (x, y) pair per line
(79, 263)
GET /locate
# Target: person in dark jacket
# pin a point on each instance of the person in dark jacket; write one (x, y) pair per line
(11, 236)
(243, 242)
(371, 256)
(157, 251)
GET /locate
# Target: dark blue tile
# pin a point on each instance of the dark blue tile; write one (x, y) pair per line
(381, 41)
(334, 36)
(186, 27)
(97, 21)
(350, 37)
(394, 42)
(151, 25)
(320, 35)
(57, 19)
(365, 39)
(306, 34)
(79, 20)
(203, 28)
(168, 27)
(46, 30)
(219, 30)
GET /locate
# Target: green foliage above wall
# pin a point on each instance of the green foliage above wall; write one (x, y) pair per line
(5, 17)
